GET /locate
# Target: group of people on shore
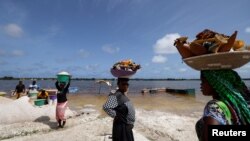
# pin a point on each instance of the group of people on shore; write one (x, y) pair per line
(229, 104)
(61, 106)
(33, 87)
(21, 90)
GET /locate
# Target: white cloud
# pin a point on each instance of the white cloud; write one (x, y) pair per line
(13, 30)
(83, 53)
(247, 66)
(165, 44)
(159, 59)
(182, 70)
(17, 53)
(110, 49)
(247, 30)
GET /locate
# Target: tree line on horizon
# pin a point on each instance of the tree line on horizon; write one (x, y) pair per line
(110, 79)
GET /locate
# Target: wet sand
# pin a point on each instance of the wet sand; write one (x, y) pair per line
(173, 103)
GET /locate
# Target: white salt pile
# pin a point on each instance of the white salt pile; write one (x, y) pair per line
(22, 110)
(87, 126)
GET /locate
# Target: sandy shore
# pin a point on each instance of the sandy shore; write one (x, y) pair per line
(21, 121)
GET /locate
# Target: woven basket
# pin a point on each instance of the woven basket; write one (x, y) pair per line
(122, 73)
(225, 60)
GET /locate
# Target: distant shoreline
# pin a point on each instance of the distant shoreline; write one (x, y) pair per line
(91, 79)
(110, 79)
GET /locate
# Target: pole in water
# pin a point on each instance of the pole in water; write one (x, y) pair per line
(100, 88)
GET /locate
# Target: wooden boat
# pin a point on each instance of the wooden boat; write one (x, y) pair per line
(51, 91)
(153, 90)
(181, 91)
(168, 90)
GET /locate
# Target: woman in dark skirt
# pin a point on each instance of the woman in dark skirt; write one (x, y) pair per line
(119, 107)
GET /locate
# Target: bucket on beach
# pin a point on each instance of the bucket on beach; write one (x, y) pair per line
(52, 99)
(40, 102)
(33, 95)
(63, 77)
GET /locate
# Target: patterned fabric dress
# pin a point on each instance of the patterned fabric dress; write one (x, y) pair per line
(232, 108)
(121, 109)
(220, 112)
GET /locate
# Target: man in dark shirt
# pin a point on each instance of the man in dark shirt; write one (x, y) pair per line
(20, 89)
(61, 106)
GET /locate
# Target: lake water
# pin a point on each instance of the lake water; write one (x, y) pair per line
(91, 87)
(89, 94)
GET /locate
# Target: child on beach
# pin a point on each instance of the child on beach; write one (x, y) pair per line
(119, 107)
(62, 101)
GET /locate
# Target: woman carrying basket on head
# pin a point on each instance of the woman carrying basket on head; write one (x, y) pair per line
(230, 95)
(62, 102)
(118, 105)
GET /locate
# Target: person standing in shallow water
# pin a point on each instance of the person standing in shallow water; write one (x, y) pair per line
(62, 102)
(20, 89)
(119, 107)
(230, 103)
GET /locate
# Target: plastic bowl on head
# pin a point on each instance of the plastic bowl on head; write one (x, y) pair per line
(63, 77)
(39, 102)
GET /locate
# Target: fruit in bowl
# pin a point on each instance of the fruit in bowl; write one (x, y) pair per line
(238, 44)
(124, 68)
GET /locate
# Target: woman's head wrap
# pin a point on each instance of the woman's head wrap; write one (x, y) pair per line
(231, 89)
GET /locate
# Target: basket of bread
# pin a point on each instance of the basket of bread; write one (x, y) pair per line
(124, 68)
(212, 50)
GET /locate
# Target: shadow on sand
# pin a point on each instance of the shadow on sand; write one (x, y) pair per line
(46, 120)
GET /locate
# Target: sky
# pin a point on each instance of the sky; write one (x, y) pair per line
(39, 38)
